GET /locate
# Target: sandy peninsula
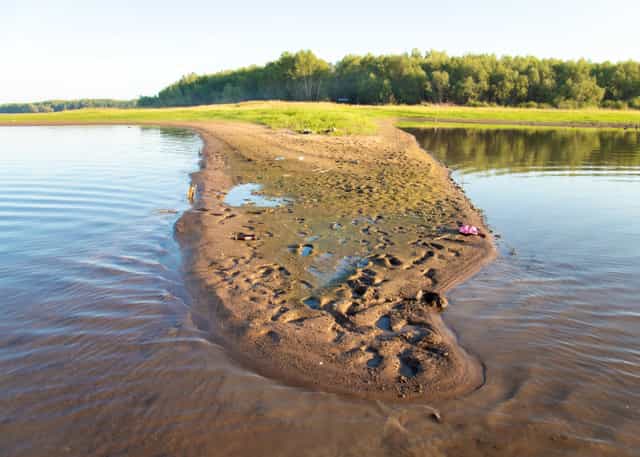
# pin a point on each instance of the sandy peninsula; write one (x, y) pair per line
(341, 286)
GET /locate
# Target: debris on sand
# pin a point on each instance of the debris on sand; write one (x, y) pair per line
(240, 236)
(191, 192)
(470, 230)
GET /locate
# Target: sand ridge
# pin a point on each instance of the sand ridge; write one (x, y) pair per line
(343, 288)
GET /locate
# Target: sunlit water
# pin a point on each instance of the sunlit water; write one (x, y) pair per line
(89, 268)
(557, 317)
(99, 355)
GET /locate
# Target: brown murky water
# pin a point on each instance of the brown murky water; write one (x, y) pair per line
(98, 354)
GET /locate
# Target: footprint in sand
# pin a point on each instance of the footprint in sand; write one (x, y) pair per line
(376, 359)
(410, 366)
(387, 260)
(422, 259)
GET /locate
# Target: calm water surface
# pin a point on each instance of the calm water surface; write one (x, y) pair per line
(99, 355)
(557, 317)
(89, 271)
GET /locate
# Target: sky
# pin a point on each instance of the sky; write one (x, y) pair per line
(127, 48)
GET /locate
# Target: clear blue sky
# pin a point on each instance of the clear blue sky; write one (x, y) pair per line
(127, 48)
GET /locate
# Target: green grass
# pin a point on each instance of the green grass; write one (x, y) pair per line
(318, 117)
(450, 113)
(329, 117)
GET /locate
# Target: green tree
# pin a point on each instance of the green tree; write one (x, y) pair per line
(309, 72)
(439, 86)
(407, 78)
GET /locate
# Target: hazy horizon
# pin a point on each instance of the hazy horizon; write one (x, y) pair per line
(86, 50)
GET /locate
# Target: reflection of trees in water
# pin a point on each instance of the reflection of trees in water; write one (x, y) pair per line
(169, 133)
(525, 149)
(175, 133)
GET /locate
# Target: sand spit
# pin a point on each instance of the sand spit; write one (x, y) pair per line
(341, 288)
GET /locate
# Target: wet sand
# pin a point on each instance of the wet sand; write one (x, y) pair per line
(342, 289)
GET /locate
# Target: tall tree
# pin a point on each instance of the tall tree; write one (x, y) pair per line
(310, 72)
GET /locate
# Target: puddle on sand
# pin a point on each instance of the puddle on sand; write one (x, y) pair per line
(245, 194)
(384, 323)
(304, 250)
(312, 302)
(328, 271)
(374, 361)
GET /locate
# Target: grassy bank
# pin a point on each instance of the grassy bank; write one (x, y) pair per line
(336, 119)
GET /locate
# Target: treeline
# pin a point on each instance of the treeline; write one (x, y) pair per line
(414, 78)
(50, 106)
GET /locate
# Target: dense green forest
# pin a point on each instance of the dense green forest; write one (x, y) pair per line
(434, 77)
(50, 106)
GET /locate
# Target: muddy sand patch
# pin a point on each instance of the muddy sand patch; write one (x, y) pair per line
(340, 284)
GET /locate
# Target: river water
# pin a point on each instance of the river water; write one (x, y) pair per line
(556, 318)
(99, 355)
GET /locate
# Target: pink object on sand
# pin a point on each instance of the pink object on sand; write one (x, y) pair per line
(469, 230)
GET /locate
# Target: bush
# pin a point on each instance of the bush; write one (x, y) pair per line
(566, 104)
(615, 104)
(573, 104)
(478, 104)
(529, 104)
(635, 103)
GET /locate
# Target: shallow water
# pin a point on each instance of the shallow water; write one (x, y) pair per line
(246, 194)
(89, 271)
(329, 270)
(99, 355)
